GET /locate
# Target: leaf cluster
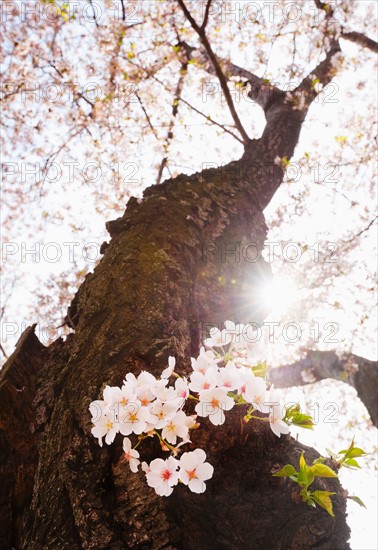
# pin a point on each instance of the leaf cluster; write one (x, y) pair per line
(293, 416)
(305, 476)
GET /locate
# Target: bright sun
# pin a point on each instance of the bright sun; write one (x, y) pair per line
(278, 295)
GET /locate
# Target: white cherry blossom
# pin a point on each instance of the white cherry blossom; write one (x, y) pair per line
(162, 413)
(131, 455)
(163, 475)
(106, 427)
(200, 382)
(229, 377)
(182, 388)
(218, 338)
(194, 471)
(112, 394)
(164, 392)
(247, 379)
(213, 403)
(256, 394)
(277, 425)
(205, 360)
(171, 366)
(133, 419)
(176, 427)
(145, 394)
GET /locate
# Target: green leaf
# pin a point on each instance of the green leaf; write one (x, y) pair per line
(323, 498)
(303, 421)
(291, 411)
(286, 471)
(310, 502)
(351, 462)
(261, 369)
(355, 452)
(358, 500)
(294, 416)
(319, 460)
(305, 477)
(302, 461)
(321, 470)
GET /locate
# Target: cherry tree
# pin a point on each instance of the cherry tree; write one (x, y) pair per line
(130, 86)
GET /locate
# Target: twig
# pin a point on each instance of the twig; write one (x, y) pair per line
(123, 11)
(94, 13)
(218, 70)
(147, 116)
(186, 102)
(177, 96)
(211, 120)
(4, 353)
(206, 17)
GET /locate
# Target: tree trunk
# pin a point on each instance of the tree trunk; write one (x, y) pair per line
(178, 262)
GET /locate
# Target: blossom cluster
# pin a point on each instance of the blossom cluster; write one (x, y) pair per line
(228, 372)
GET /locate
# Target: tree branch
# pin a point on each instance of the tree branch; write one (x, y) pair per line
(218, 70)
(361, 39)
(210, 120)
(358, 372)
(327, 8)
(261, 90)
(123, 11)
(206, 17)
(323, 74)
(352, 36)
(177, 96)
(147, 116)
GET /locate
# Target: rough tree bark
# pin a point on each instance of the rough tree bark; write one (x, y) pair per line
(157, 287)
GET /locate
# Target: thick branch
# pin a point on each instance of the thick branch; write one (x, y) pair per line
(361, 39)
(327, 8)
(323, 74)
(222, 79)
(358, 372)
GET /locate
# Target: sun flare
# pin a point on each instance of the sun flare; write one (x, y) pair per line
(278, 295)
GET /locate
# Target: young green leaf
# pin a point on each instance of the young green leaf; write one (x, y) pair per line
(303, 421)
(321, 470)
(358, 500)
(305, 477)
(324, 500)
(286, 471)
(302, 461)
(261, 369)
(355, 452)
(351, 463)
(319, 460)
